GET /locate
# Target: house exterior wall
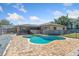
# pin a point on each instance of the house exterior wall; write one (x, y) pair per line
(20, 28)
(35, 31)
(73, 26)
(51, 29)
(57, 28)
(43, 29)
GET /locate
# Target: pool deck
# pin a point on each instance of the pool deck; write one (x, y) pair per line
(21, 47)
(4, 41)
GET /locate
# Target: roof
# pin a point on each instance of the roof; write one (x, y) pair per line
(52, 24)
(28, 25)
(47, 24)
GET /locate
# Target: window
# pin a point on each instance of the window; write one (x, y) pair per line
(46, 27)
(63, 28)
(55, 28)
(77, 26)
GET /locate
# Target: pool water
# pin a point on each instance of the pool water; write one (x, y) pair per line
(43, 39)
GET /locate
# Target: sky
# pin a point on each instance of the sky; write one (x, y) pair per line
(37, 13)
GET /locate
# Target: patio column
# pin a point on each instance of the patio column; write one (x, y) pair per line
(17, 29)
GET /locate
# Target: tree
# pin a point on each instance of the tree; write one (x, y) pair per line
(63, 20)
(5, 22)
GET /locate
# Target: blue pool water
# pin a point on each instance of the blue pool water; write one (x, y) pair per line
(43, 39)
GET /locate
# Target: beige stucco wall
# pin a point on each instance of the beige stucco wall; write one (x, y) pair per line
(57, 28)
(52, 27)
(35, 31)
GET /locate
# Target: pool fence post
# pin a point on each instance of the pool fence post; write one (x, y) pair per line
(76, 34)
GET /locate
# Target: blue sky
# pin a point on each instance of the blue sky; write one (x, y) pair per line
(37, 13)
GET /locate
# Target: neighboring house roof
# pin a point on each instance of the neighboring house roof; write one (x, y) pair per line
(74, 20)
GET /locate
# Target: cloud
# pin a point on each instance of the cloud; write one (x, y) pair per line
(16, 18)
(34, 18)
(1, 9)
(21, 22)
(37, 20)
(57, 14)
(73, 13)
(68, 4)
(20, 7)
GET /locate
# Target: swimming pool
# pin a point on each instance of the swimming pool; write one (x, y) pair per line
(43, 39)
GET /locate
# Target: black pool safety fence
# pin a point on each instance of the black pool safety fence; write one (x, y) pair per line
(74, 32)
(59, 32)
(71, 31)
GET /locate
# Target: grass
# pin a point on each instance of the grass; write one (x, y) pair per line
(73, 35)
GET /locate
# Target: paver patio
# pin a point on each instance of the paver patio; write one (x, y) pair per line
(21, 47)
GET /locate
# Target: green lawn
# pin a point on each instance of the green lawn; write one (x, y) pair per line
(73, 35)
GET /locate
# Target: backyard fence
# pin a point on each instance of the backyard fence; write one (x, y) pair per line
(6, 29)
(3, 31)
